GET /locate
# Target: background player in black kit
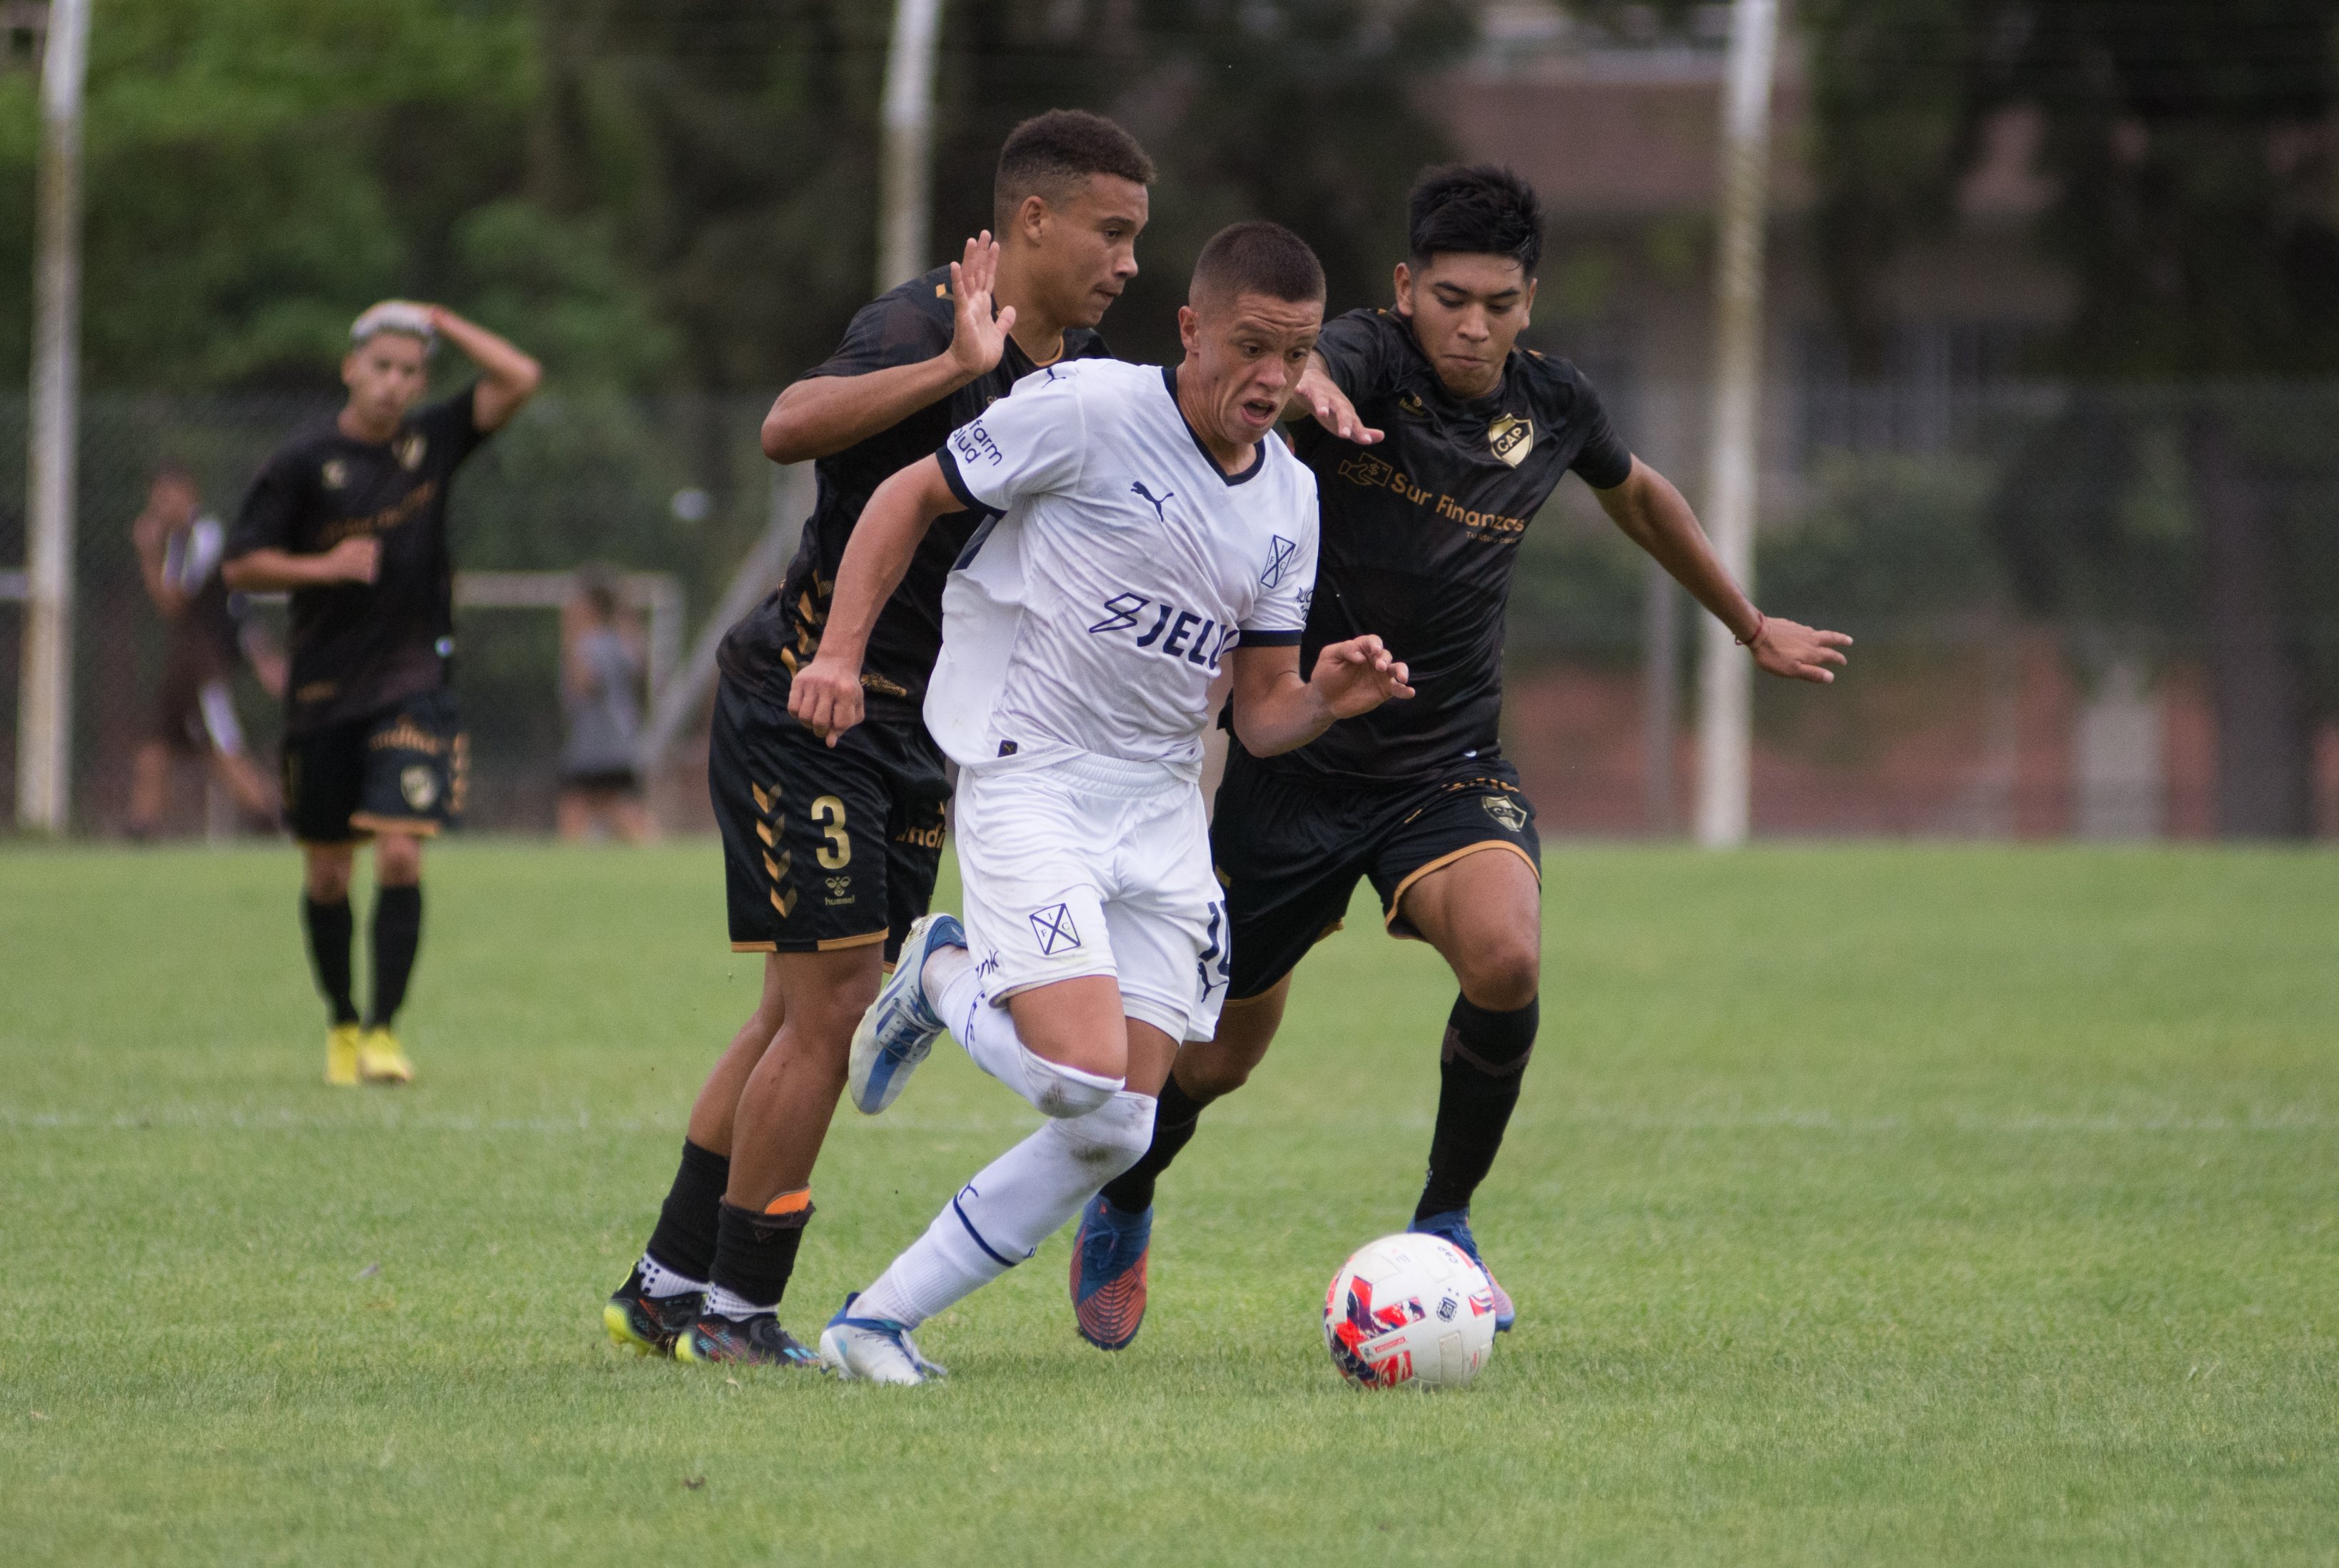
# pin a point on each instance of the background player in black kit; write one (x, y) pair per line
(351, 515)
(1437, 441)
(831, 848)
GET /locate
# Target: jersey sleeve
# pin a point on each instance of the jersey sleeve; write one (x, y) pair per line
(265, 520)
(452, 425)
(1279, 614)
(888, 332)
(1358, 347)
(1028, 443)
(1603, 461)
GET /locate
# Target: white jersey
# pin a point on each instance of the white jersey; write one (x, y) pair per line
(1120, 565)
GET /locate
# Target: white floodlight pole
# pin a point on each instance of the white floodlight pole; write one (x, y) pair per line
(45, 720)
(1726, 689)
(905, 194)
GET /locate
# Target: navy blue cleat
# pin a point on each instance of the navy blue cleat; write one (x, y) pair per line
(1108, 1281)
(1454, 1226)
(900, 1026)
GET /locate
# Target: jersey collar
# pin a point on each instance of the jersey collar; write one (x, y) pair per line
(1258, 450)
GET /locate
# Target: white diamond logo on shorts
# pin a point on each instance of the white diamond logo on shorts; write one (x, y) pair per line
(1055, 931)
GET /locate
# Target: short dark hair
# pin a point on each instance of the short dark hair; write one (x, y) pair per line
(1046, 153)
(1256, 258)
(1477, 210)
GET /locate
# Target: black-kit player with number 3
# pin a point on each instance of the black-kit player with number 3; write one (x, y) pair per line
(1435, 442)
(350, 517)
(831, 847)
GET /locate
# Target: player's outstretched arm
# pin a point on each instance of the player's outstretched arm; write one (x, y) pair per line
(507, 377)
(825, 695)
(1317, 394)
(822, 415)
(1654, 516)
(275, 571)
(1276, 711)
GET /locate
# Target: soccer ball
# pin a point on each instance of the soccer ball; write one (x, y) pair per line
(1409, 1309)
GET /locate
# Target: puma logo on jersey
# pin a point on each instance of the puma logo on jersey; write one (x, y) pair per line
(1138, 489)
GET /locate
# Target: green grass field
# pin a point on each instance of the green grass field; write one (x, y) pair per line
(1865, 1205)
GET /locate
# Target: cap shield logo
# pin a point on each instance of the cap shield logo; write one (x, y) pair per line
(1511, 439)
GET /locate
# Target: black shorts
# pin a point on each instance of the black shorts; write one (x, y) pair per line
(823, 847)
(401, 771)
(1289, 849)
(603, 781)
(195, 708)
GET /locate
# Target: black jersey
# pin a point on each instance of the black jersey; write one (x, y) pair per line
(903, 326)
(1420, 533)
(358, 648)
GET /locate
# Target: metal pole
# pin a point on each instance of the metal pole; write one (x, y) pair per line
(45, 736)
(1726, 686)
(1660, 693)
(905, 196)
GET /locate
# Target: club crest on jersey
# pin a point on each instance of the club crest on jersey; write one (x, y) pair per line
(1505, 811)
(1511, 439)
(408, 449)
(1053, 926)
(1279, 553)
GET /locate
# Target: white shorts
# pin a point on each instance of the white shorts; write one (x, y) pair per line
(1091, 865)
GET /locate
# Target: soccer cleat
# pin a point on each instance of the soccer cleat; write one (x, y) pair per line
(380, 1060)
(649, 1325)
(341, 1056)
(900, 1026)
(758, 1341)
(1454, 1226)
(1108, 1281)
(873, 1349)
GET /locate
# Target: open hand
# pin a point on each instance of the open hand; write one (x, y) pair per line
(1357, 675)
(978, 338)
(1796, 652)
(825, 696)
(1321, 396)
(355, 561)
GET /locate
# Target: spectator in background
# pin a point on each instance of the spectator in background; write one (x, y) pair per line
(179, 549)
(600, 674)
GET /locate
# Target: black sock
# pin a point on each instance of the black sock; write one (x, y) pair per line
(755, 1253)
(1174, 1119)
(397, 932)
(684, 1240)
(329, 927)
(1478, 1083)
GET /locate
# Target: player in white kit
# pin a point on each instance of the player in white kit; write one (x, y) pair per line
(1144, 525)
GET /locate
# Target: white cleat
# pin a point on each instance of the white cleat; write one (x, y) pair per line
(873, 1349)
(900, 1026)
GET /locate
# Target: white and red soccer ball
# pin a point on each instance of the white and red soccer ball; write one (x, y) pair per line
(1409, 1309)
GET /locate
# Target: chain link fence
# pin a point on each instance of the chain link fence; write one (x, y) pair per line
(2081, 611)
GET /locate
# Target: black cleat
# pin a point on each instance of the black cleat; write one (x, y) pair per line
(759, 1341)
(648, 1324)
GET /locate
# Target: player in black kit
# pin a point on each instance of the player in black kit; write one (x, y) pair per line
(831, 847)
(1435, 442)
(351, 515)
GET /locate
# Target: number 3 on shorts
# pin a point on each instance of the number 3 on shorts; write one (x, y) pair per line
(837, 853)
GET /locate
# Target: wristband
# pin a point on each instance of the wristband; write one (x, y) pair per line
(1751, 638)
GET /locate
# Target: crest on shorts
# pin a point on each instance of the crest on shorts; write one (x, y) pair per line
(419, 786)
(1505, 811)
(1511, 439)
(336, 473)
(1053, 926)
(408, 449)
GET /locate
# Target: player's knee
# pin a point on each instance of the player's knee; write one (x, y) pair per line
(1068, 1093)
(326, 875)
(397, 859)
(1112, 1137)
(1503, 975)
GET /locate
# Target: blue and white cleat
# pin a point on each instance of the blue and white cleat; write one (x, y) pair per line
(900, 1026)
(1454, 1226)
(1108, 1281)
(873, 1349)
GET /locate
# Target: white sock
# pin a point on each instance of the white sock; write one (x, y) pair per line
(722, 1303)
(1013, 1204)
(658, 1280)
(988, 1033)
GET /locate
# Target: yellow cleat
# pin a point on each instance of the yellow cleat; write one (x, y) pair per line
(381, 1061)
(341, 1056)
